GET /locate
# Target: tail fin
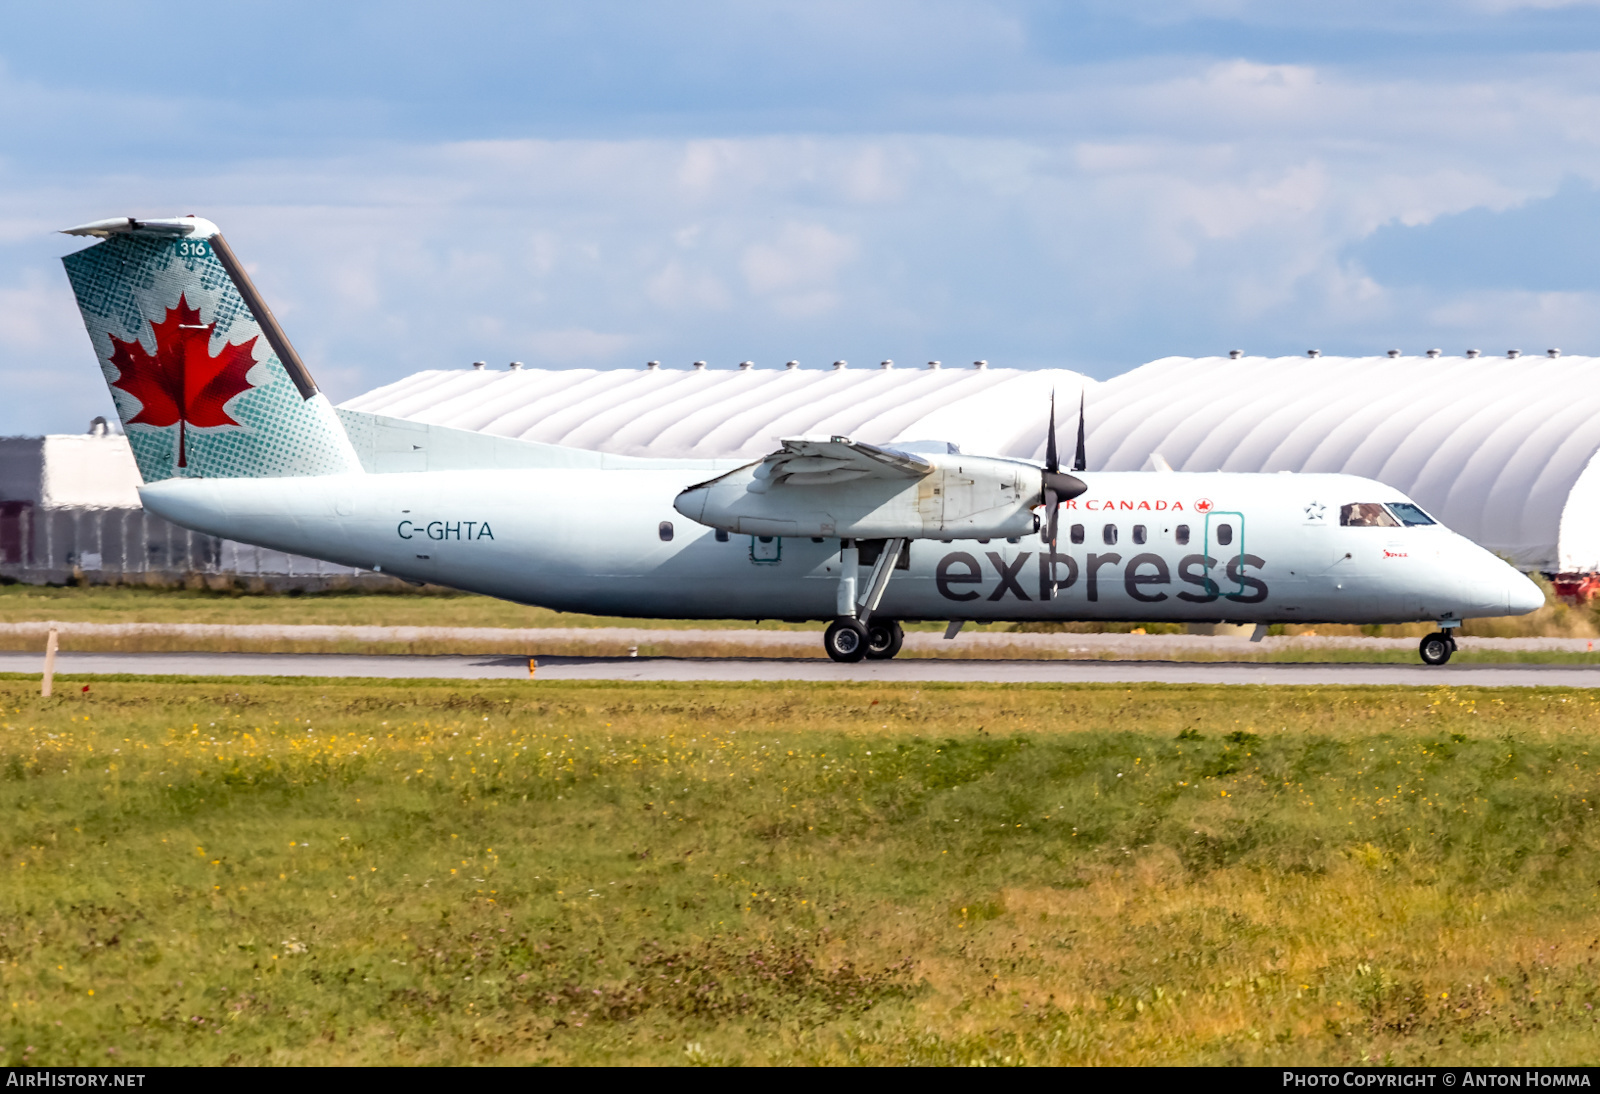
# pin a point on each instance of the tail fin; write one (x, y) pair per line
(205, 381)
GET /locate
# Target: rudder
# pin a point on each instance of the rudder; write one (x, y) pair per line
(205, 381)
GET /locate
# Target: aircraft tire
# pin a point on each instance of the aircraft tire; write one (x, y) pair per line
(884, 639)
(1436, 648)
(845, 640)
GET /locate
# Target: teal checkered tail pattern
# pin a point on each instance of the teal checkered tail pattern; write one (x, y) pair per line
(205, 381)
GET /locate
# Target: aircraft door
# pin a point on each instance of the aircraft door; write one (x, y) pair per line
(1224, 541)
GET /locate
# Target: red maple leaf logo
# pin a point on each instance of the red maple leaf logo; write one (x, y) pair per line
(182, 384)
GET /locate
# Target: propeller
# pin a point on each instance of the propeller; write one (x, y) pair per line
(1080, 460)
(1057, 486)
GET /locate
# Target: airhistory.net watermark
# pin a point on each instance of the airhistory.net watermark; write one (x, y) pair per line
(46, 1077)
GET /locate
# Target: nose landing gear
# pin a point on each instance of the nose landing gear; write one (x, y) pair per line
(1437, 648)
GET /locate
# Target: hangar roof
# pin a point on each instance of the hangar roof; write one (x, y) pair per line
(1500, 449)
(727, 412)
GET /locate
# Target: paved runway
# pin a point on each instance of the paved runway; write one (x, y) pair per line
(497, 667)
(720, 642)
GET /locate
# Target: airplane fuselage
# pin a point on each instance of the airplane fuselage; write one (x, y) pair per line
(1136, 546)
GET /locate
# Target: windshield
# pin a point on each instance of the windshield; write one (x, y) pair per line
(1366, 514)
(1409, 514)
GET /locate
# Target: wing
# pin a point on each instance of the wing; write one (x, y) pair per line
(814, 461)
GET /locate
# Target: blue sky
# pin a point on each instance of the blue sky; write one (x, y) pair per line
(1090, 185)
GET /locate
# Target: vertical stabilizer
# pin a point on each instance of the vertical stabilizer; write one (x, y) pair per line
(205, 381)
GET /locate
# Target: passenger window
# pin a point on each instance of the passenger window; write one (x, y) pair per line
(1224, 534)
(722, 536)
(1076, 534)
(1409, 514)
(1138, 533)
(1366, 514)
(1181, 534)
(1109, 534)
(666, 531)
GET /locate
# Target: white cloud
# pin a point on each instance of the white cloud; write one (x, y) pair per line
(799, 268)
(577, 347)
(1124, 210)
(34, 315)
(678, 288)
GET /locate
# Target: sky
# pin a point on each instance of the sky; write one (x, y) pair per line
(1087, 184)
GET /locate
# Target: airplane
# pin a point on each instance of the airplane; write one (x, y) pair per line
(234, 439)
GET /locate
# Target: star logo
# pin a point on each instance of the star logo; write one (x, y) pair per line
(1203, 505)
(1315, 510)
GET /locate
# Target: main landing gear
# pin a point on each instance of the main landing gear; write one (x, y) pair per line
(884, 639)
(854, 633)
(847, 640)
(1437, 648)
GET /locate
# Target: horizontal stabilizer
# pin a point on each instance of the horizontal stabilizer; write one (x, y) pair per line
(174, 226)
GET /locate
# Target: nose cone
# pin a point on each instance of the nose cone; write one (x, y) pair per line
(1523, 596)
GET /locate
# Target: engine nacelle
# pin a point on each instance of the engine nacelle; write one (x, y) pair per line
(915, 497)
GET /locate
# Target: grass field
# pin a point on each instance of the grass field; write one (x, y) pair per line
(307, 872)
(430, 607)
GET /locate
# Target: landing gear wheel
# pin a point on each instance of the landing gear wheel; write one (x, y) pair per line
(884, 639)
(1437, 648)
(845, 640)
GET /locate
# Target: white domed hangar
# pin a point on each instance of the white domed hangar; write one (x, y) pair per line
(1500, 448)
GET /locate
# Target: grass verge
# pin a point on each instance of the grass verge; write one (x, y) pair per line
(430, 606)
(212, 871)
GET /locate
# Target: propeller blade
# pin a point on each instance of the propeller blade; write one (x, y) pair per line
(1052, 516)
(1051, 461)
(1055, 486)
(1080, 461)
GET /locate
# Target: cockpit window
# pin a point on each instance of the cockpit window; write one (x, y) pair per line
(1409, 514)
(1366, 514)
